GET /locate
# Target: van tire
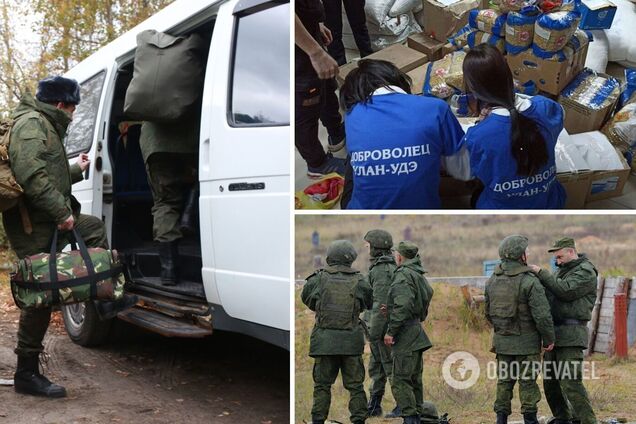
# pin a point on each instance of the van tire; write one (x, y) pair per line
(83, 325)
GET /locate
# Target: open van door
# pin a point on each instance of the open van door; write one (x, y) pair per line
(244, 165)
(86, 134)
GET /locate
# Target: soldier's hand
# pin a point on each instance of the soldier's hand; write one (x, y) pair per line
(388, 340)
(83, 161)
(67, 225)
(549, 348)
(324, 65)
(535, 268)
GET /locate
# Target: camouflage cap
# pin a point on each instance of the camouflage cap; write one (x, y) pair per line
(379, 239)
(429, 413)
(407, 249)
(513, 247)
(341, 252)
(562, 243)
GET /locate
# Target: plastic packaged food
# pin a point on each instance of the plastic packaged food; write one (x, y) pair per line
(445, 77)
(488, 20)
(552, 31)
(520, 30)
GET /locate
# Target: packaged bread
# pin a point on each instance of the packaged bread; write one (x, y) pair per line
(579, 40)
(519, 31)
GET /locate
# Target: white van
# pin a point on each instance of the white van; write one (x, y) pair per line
(235, 272)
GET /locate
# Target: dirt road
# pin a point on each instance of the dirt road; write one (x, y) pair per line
(144, 378)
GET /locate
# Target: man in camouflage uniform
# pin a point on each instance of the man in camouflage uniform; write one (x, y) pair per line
(170, 155)
(338, 294)
(407, 305)
(517, 307)
(40, 166)
(380, 277)
(572, 294)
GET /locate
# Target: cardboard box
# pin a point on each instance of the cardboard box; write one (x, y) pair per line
(417, 79)
(577, 187)
(425, 44)
(596, 14)
(406, 59)
(449, 48)
(580, 118)
(549, 76)
(608, 184)
(441, 21)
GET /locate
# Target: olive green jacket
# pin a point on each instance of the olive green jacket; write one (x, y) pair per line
(181, 137)
(381, 274)
(40, 166)
(572, 294)
(408, 300)
(532, 320)
(328, 341)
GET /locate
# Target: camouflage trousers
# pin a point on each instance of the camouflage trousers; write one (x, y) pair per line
(170, 176)
(569, 389)
(522, 368)
(35, 322)
(380, 365)
(326, 370)
(406, 382)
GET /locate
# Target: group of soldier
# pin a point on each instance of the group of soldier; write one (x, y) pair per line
(532, 310)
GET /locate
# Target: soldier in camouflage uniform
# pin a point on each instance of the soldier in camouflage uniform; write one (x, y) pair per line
(338, 294)
(170, 155)
(407, 306)
(40, 166)
(517, 307)
(380, 277)
(572, 294)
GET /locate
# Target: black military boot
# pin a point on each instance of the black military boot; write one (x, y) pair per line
(188, 221)
(109, 309)
(375, 406)
(502, 418)
(413, 419)
(169, 257)
(315, 421)
(395, 413)
(28, 380)
(530, 418)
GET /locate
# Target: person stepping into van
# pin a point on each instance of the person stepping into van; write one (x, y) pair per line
(170, 155)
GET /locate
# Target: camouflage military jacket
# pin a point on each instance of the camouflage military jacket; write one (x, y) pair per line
(521, 317)
(407, 305)
(380, 277)
(572, 294)
(181, 137)
(40, 166)
(327, 341)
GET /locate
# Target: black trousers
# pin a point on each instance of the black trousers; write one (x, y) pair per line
(358, 21)
(316, 100)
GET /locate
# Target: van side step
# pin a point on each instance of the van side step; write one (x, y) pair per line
(163, 324)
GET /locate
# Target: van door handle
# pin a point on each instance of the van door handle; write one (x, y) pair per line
(246, 186)
(205, 156)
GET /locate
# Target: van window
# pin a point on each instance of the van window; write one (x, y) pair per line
(260, 80)
(80, 133)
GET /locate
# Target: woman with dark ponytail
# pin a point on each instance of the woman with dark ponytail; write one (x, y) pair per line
(512, 147)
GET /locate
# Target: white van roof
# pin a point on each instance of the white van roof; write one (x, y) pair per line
(168, 18)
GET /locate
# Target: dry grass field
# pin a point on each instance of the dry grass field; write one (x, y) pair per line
(456, 246)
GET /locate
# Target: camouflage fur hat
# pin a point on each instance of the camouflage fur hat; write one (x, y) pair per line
(379, 239)
(407, 249)
(341, 252)
(513, 247)
(58, 89)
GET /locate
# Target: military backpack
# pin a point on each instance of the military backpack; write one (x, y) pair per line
(338, 308)
(10, 190)
(506, 311)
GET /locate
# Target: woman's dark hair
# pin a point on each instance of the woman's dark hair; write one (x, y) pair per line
(488, 78)
(370, 75)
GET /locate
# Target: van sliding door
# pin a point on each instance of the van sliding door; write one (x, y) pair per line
(244, 164)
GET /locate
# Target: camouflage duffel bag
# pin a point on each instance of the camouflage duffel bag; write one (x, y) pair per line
(54, 278)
